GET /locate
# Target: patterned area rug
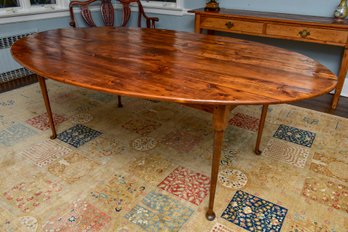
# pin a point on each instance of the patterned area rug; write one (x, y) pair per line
(146, 166)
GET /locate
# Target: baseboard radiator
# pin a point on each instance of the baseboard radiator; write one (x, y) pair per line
(12, 75)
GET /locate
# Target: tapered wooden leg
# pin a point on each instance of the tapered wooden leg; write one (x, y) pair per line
(198, 24)
(220, 117)
(260, 130)
(341, 77)
(119, 102)
(47, 104)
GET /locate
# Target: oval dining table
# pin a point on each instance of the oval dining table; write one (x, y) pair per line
(206, 72)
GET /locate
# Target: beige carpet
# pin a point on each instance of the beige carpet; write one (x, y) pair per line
(146, 166)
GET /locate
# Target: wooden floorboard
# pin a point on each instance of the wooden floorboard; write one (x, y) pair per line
(323, 104)
(17, 83)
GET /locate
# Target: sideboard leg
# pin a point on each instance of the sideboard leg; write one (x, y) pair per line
(341, 77)
(198, 24)
(260, 130)
(220, 118)
(47, 104)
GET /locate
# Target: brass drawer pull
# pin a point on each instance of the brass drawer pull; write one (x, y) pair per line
(229, 24)
(304, 33)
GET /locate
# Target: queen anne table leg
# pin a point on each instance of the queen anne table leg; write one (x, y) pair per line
(260, 130)
(47, 104)
(220, 118)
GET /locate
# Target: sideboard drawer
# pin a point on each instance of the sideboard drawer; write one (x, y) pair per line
(231, 25)
(308, 33)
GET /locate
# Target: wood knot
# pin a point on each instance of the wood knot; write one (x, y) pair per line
(162, 68)
(211, 86)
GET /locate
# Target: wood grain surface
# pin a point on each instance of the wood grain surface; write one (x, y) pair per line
(173, 66)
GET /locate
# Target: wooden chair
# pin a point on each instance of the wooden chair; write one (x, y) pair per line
(106, 8)
(107, 12)
(108, 15)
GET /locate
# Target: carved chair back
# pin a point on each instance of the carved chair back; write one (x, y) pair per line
(150, 21)
(106, 8)
(108, 13)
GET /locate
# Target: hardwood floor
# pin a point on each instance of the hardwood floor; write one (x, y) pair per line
(17, 83)
(323, 104)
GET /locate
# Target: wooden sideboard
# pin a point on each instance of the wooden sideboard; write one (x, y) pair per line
(312, 29)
